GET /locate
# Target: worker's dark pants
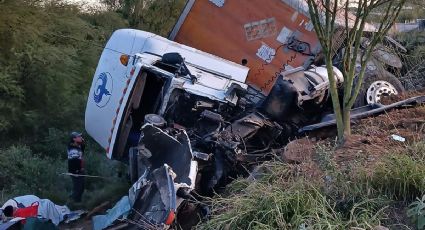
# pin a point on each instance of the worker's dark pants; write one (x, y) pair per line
(77, 188)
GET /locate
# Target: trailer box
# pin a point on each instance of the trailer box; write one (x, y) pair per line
(255, 33)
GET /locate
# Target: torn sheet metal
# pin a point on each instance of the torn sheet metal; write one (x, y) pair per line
(387, 56)
(248, 125)
(156, 201)
(170, 167)
(166, 149)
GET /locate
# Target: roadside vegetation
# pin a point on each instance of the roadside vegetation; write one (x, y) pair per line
(283, 196)
(49, 50)
(48, 54)
(25, 172)
(371, 181)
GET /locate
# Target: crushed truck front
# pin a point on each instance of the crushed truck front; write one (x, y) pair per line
(113, 83)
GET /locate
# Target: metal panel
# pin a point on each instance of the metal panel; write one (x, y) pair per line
(181, 20)
(239, 30)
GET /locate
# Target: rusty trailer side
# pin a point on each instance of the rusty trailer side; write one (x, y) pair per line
(256, 33)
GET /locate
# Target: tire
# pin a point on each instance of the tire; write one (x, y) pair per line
(388, 81)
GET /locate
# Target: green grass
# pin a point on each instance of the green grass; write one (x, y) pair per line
(417, 212)
(279, 200)
(279, 197)
(401, 175)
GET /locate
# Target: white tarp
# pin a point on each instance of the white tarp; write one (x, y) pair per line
(46, 208)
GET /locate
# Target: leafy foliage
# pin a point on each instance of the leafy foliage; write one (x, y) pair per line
(48, 54)
(280, 196)
(157, 16)
(26, 173)
(23, 172)
(46, 68)
(280, 200)
(417, 212)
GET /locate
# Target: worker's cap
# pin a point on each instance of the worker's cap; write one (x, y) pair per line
(76, 134)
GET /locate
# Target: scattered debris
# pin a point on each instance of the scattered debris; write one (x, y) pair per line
(98, 209)
(398, 138)
(73, 216)
(120, 209)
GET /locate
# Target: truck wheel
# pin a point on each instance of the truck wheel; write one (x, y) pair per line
(376, 86)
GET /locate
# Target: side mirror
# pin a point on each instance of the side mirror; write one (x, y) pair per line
(172, 58)
(177, 59)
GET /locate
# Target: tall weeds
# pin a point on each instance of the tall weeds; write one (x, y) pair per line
(278, 197)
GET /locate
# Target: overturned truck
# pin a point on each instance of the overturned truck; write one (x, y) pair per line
(187, 121)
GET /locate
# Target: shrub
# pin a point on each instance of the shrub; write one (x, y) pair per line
(417, 212)
(278, 200)
(401, 175)
(25, 173)
(53, 145)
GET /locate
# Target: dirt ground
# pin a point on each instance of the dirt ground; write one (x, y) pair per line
(85, 223)
(77, 225)
(370, 140)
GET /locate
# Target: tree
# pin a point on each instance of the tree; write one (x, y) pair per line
(414, 9)
(157, 16)
(48, 55)
(328, 16)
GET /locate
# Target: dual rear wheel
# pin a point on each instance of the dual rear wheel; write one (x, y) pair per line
(377, 86)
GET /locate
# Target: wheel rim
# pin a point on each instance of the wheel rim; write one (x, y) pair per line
(378, 89)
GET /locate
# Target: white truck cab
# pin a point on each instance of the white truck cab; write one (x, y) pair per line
(132, 80)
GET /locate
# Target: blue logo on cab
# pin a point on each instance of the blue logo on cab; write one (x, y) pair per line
(103, 89)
